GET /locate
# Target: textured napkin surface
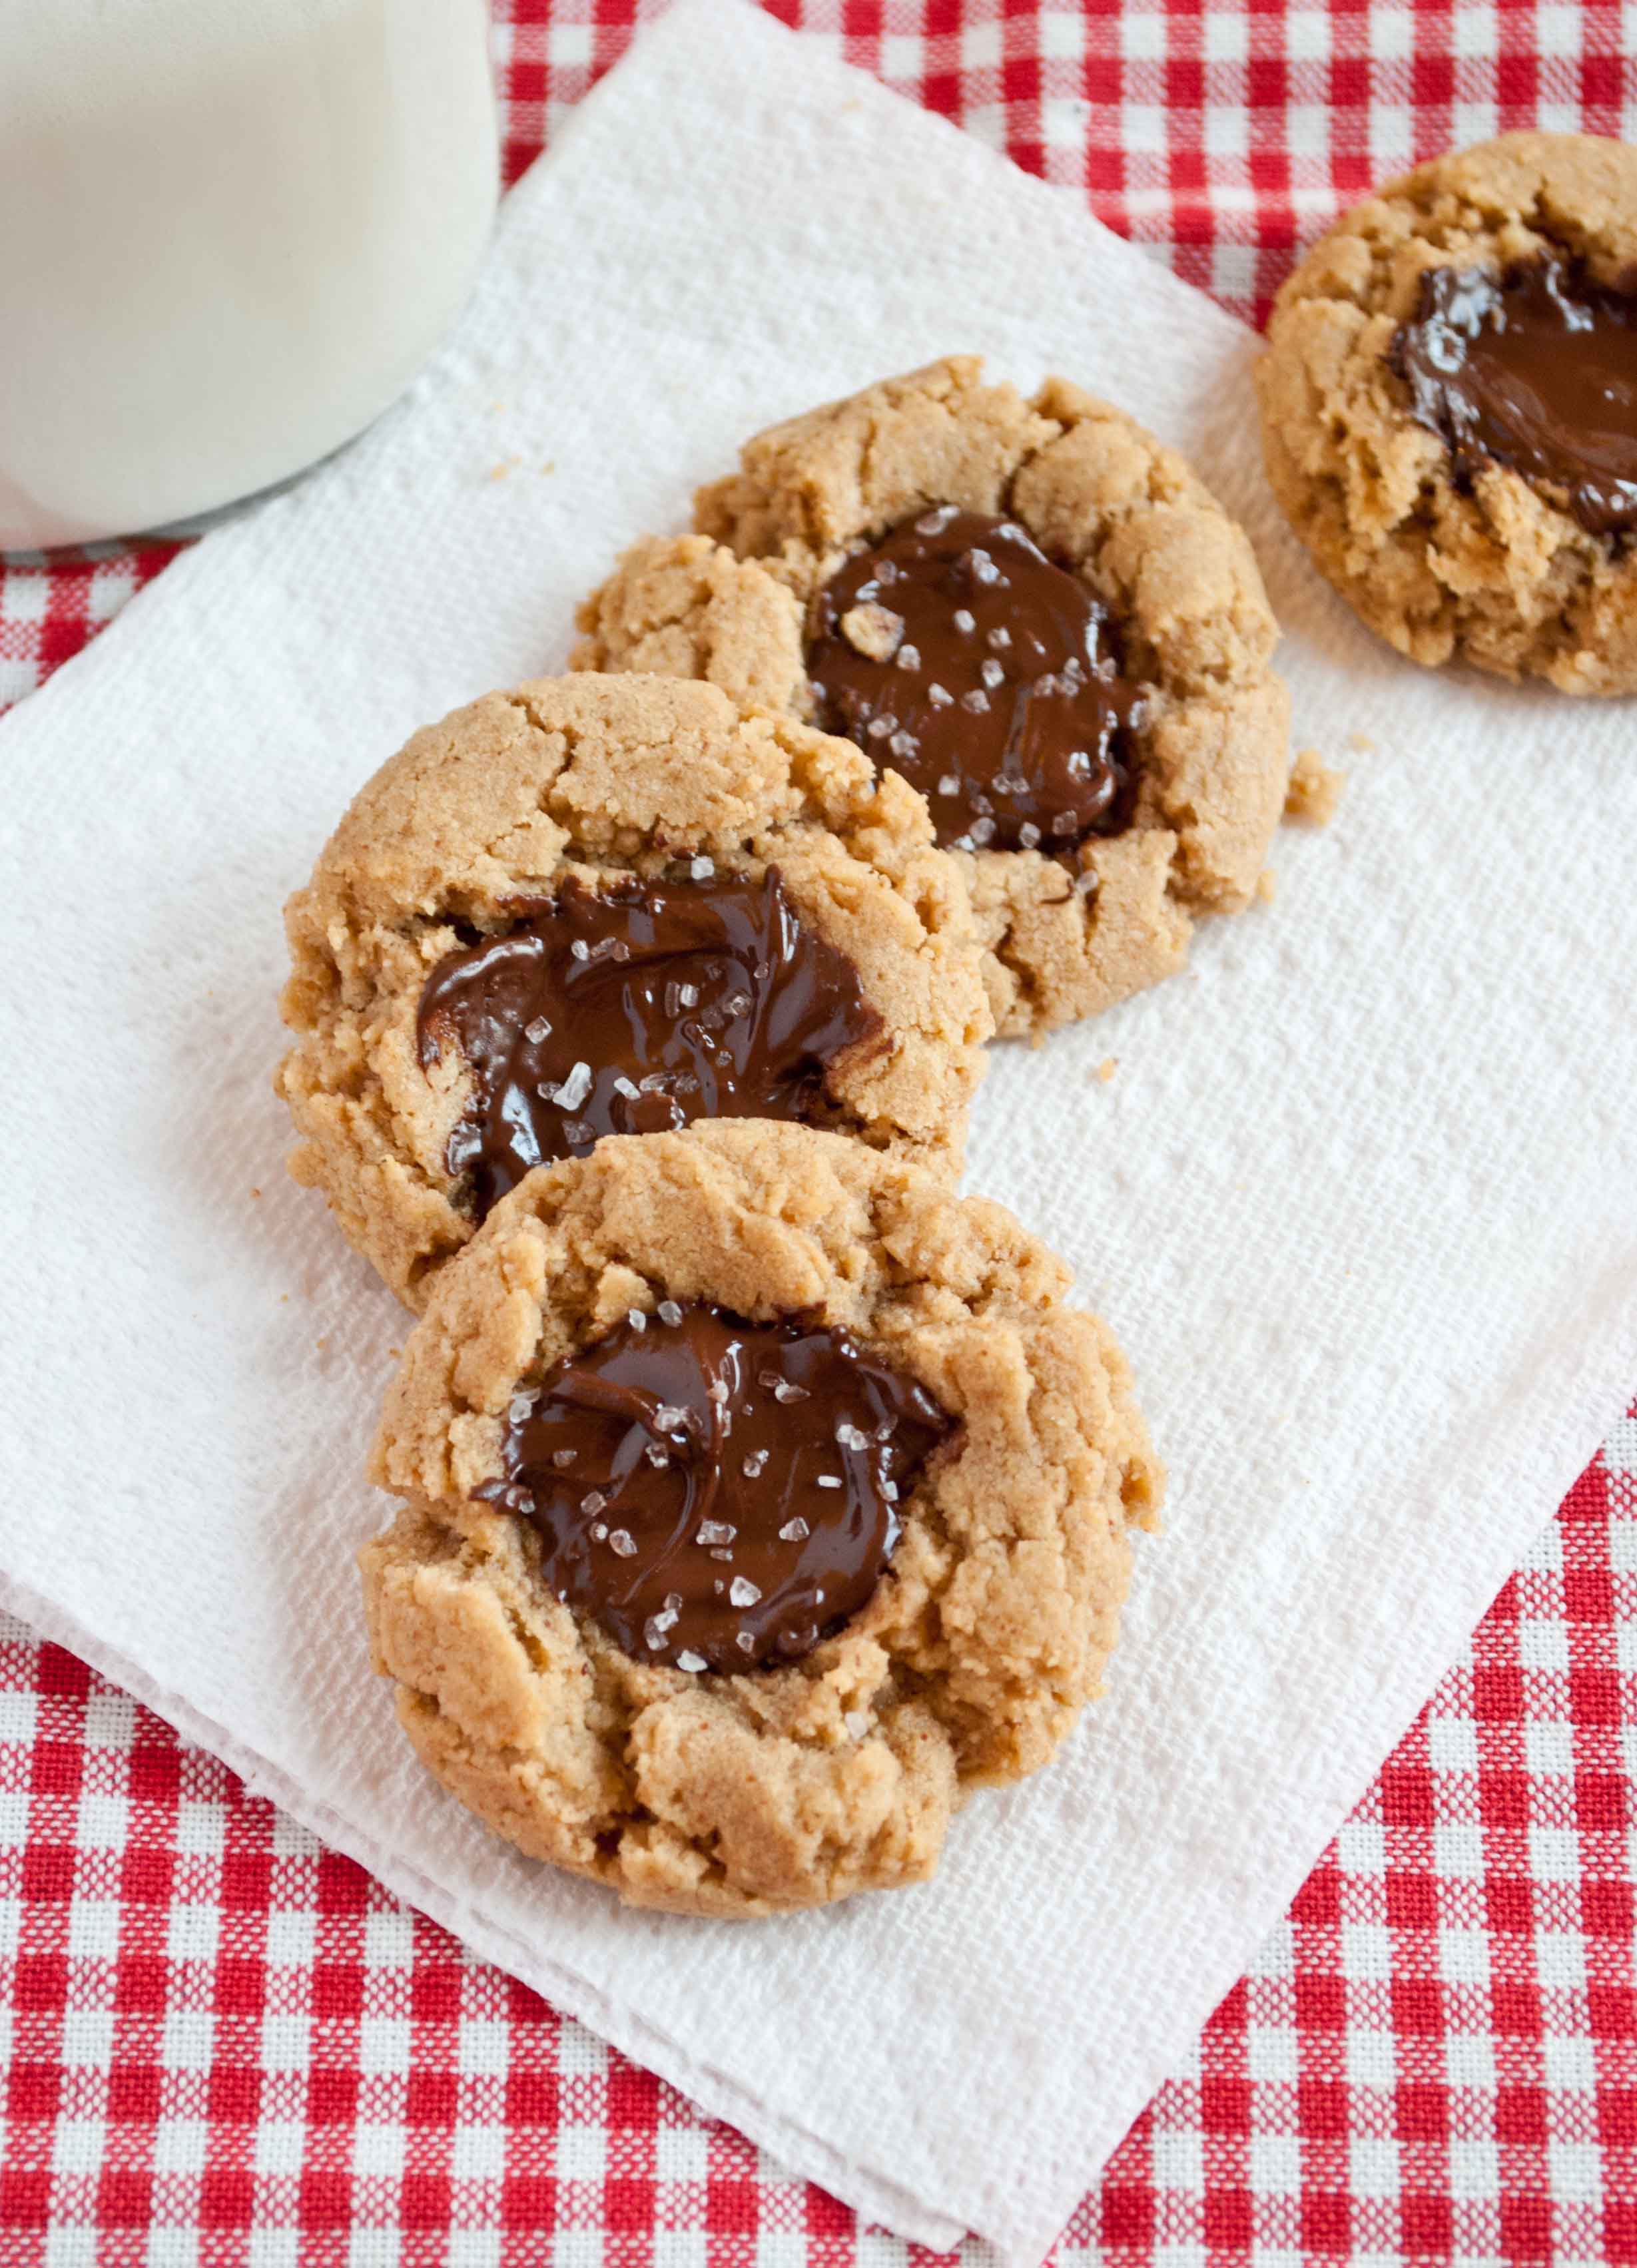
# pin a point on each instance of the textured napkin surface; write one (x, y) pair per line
(1357, 1198)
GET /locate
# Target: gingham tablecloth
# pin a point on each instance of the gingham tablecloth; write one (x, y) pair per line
(222, 2044)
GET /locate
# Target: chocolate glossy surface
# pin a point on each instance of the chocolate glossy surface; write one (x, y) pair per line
(634, 1009)
(956, 652)
(717, 1494)
(1534, 369)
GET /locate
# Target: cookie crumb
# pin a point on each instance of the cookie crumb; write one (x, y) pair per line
(1267, 886)
(1363, 743)
(873, 632)
(256, 1193)
(1315, 790)
(1107, 1068)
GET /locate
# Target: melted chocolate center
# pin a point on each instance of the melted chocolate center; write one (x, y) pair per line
(1536, 370)
(717, 1494)
(635, 1009)
(956, 652)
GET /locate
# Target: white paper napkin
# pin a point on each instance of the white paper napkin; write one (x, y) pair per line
(1359, 1198)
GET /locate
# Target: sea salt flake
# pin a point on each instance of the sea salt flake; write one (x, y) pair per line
(881, 728)
(561, 1458)
(999, 639)
(635, 1318)
(948, 784)
(692, 1662)
(857, 1722)
(991, 673)
(904, 744)
(669, 1417)
(974, 701)
(715, 1531)
(579, 1130)
(520, 1407)
(983, 831)
(787, 1390)
(701, 867)
(940, 696)
(908, 657)
(934, 522)
(965, 619)
(794, 1531)
(829, 1480)
(850, 1437)
(754, 1464)
(592, 1502)
(747, 1641)
(598, 1531)
(983, 568)
(657, 1456)
(1028, 835)
(625, 1086)
(537, 1030)
(890, 1490)
(670, 1313)
(741, 1592)
(620, 1540)
(575, 1087)
(722, 1555)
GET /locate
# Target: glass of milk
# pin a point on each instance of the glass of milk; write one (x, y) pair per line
(230, 232)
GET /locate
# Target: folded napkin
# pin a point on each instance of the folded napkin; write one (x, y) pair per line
(1357, 1198)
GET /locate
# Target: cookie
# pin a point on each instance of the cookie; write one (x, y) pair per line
(597, 905)
(1449, 410)
(1037, 615)
(761, 1499)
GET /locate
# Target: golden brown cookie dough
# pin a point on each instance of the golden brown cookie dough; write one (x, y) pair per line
(1069, 934)
(753, 1795)
(1495, 569)
(591, 778)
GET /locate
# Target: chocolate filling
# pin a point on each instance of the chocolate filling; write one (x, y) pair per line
(716, 1494)
(956, 652)
(1534, 369)
(634, 1009)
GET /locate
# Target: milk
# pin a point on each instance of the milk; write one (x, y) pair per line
(230, 230)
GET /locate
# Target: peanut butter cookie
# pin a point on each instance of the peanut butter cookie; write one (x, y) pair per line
(761, 1500)
(1449, 410)
(1037, 615)
(614, 905)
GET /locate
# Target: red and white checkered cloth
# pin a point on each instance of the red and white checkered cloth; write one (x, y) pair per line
(223, 2044)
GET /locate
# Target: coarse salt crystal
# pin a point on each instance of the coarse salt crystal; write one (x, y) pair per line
(991, 673)
(701, 867)
(940, 696)
(908, 657)
(620, 1540)
(657, 1456)
(1028, 835)
(561, 1458)
(850, 1436)
(965, 619)
(786, 1389)
(537, 1030)
(670, 1313)
(857, 1722)
(635, 1318)
(592, 1502)
(948, 784)
(976, 701)
(692, 1662)
(934, 522)
(829, 1480)
(747, 1641)
(754, 1463)
(715, 1531)
(794, 1531)
(998, 638)
(880, 728)
(625, 1086)
(575, 1087)
(741, 1592)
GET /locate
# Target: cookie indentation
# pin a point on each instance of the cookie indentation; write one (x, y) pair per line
(1534, 369)
(956, 652)
(636, 1009)
(717, 1494)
